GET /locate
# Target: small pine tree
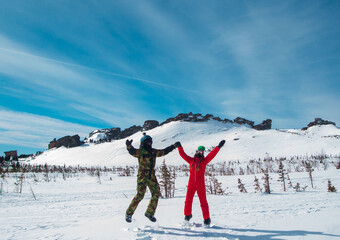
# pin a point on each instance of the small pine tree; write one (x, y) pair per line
(290, 184)
(241, 186)
(309, 169)
(330, 187)
(127, 171)
(46, 174)
(337, 165)
(167, 182)
(298, 188)
(282, 173)
(19, 182)
(266, 179)
(257, 185)
(214, 187)
(98, 177)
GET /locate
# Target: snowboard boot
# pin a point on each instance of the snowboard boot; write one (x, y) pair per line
(187, 218)
(207, 222)
(151, 218)
(128, 218)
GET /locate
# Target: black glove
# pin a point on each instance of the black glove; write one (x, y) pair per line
(221, 143)
(128, 142)
(177, 144)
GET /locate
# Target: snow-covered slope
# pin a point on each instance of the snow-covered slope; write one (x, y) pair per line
(242, 143)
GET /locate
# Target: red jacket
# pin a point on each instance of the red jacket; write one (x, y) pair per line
(197, 172)
(197, 181)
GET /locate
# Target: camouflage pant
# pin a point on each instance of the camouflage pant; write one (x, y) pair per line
(145, 180)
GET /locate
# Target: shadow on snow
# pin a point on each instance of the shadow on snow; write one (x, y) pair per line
(239, 233)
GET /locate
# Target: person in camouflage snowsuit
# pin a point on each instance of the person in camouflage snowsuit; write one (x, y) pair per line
(146, 175)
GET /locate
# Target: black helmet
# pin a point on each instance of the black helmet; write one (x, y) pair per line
(145, 137)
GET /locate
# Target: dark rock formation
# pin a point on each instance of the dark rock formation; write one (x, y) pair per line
(179, 117)
(318, 122)
(243, 121)
(265, 125)
(227, 120)
(116, 133)
(111, 134)
(190, 117)
(150, 124)
(129, 131)
(67, 141)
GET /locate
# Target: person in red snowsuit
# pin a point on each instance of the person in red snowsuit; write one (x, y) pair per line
(198, 165)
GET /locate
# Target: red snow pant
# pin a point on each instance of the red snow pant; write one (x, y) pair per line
(201, 192)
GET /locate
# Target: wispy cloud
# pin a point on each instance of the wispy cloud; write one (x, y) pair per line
(271, 47)
(41, 61)
(30, 130)
(101, 92)
(132, 62)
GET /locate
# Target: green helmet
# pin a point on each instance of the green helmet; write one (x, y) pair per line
(201, 148)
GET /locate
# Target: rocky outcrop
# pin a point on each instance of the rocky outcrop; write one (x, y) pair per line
(113, 134)
(243, 121)
(150, 124)
(265, 125)
(190, 117)
(318, 122)
(110, 134)
(129, 131)
(67, 141)
(116, 133)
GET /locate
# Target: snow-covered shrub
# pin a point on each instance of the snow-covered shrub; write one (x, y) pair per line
(282, 175)
(126, 172)
(241, 186)
(337, 164)
(331, 188)
(298, 188)
(309, 169)
(213, 186)
(290, 184)
(19, 182)
(266, 179)
(257, 185)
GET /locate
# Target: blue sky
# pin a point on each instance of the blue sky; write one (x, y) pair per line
(70, 67)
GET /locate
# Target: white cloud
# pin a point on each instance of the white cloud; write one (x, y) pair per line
(30, 130)
(102, 93)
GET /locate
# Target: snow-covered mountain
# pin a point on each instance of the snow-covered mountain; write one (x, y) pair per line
(243, 143)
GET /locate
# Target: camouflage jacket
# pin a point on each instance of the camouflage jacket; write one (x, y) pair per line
(147, 159)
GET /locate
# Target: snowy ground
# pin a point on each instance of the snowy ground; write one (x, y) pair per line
(82, 208)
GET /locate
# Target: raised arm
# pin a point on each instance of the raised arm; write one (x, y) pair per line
(134, 152)
(213, 153)
(165, 151)
(184, 155)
